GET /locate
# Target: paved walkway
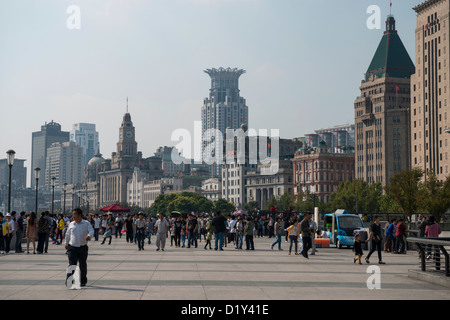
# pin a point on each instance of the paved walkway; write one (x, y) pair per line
(120, 271)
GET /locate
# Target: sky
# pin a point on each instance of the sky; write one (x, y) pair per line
(304, 63)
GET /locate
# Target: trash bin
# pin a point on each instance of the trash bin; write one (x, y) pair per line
(363, 235)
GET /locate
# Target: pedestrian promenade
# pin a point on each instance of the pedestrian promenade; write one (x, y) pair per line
(120, 271)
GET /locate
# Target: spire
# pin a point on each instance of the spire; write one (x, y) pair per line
(391, 56)
(127, 104)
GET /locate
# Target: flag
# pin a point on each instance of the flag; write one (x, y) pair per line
(398, 88)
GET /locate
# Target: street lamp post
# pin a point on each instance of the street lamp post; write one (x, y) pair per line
(64, 190)
(37, 172)
(11, 154)
(53, 194)
(73, 196)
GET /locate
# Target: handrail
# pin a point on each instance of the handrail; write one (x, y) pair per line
(433, 244)
(435, 241)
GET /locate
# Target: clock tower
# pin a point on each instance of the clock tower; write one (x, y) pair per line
(127, 144)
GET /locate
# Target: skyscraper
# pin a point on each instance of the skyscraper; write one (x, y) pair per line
(65, 162)
(85, 135)
(224, 108)
(382, 112)
(430, 86)
(41, 141)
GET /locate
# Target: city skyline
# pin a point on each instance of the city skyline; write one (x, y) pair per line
(70, 78)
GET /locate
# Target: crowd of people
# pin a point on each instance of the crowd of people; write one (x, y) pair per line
(185, 231)
(37, 231)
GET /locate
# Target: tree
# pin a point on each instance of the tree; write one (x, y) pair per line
(224, 206)
(251, 206)
(287, 201)
(351, 193)
(273, 202)
(389, 205)
(404, 188)
(436, 196)
(182, 202)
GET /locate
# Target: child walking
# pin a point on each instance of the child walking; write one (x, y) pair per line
(358, 249)
(208, 239)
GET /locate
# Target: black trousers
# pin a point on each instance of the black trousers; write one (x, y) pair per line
(41, 241)
(375, 246)
(249, 242)
(307, 244)
(8, 239)
(78, 255)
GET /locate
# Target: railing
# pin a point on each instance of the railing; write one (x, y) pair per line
(431, 251)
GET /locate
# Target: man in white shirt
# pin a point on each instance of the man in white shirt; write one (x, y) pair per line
(161, 227)
(97, 221)
(78, 234)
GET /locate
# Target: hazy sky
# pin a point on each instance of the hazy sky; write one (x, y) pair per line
(304, 60)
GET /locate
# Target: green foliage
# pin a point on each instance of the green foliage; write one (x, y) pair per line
(435, 196)
(251, 206)
(357, 192)
(182, 202)
(224, 206)
(404, 188)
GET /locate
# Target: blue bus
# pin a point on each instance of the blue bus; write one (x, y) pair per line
(344, 225)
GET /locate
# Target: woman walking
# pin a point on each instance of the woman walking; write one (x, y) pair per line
(31, 233)
(293, 233)
(375, 238)
(42, 233)
(277, 233)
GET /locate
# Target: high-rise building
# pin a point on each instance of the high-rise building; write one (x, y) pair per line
(340, 138)
(18, 174)
(86, 136)
(65, 162)
(41, 141)
(170, 168)
(224, 108)
(430, 86)
(382, 112)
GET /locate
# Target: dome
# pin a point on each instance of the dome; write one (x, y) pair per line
(96, 161)
(322, 143)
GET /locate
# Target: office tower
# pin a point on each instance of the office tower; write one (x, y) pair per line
(85, 135)
(430, 86)
(41, 141)
(65, 162)
(382, 112)
(224, 108)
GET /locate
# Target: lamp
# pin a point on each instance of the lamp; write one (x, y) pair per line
(11, 154)
(37, 173)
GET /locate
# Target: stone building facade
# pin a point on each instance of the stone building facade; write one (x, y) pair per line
(430, 87)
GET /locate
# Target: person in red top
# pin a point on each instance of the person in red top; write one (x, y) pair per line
(432, 230)
(400, 236)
